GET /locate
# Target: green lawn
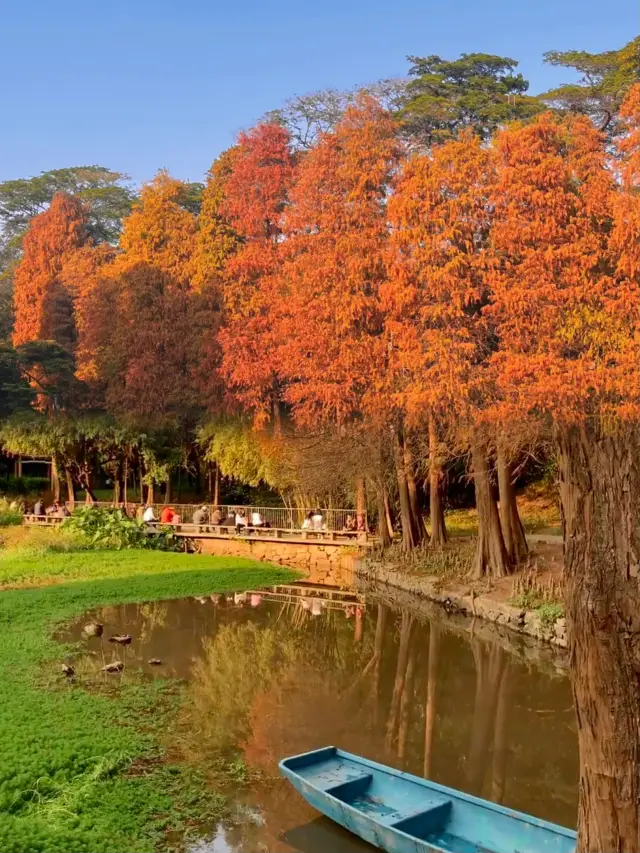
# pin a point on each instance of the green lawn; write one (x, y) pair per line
(84, 771)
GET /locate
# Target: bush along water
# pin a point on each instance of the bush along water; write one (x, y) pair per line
(10, 513)
(112, 528)
(86, 771)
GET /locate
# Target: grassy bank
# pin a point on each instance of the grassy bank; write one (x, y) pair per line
(84, 771)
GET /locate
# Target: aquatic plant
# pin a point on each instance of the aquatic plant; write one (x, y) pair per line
(83, 771)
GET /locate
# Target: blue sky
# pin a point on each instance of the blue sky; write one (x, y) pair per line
(137, 85)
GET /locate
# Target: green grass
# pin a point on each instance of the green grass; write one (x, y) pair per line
(83, 771)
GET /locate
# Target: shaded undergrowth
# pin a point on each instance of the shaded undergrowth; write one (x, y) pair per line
(84, 771)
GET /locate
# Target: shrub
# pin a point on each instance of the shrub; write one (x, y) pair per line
(111, 528)
(9, 513)
(22, 486)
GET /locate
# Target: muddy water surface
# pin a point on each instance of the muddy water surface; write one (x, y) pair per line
(275, 674)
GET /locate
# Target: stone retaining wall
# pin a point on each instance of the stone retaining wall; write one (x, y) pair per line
(457, 598)
(330, 564)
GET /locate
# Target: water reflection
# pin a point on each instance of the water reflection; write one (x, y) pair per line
(273, 674)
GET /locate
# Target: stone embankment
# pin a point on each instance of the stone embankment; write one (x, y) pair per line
(461, 599)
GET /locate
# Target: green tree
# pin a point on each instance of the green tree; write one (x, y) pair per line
(604, 80)
(106, 195)
(478, 90)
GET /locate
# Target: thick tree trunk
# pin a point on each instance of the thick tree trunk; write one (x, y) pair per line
(378, 646)
(387, 512)
(406, 703)
(55, 479)
(71, 489)
(489, 670)
(436, 510)
(501, 740)
(411, 535)
(361, 503)
(599, 490)
(383, 527)
(512, 528)
(430, 707)
(150, 495)
(491, 555)
(401, 671)
(409, 467)
(87, 484)
(167, 490)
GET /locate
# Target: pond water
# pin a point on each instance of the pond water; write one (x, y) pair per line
(281, 672)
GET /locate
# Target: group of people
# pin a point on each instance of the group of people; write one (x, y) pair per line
(56, 510)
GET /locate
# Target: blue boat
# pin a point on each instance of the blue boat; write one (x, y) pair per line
(400, 813)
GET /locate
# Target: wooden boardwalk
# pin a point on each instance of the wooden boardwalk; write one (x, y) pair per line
(253, 534)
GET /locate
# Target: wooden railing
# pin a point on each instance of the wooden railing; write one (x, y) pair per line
(219, 531)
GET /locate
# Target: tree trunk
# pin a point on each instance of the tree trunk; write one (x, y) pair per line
(512, 528)
(599, 490)
(71, 489)
(411, 536)
(401, 671)
(361, 502)
(277, 419)
(387, 512)
(167, 490)
(150, 496)
(491, 555)
(55, 479)
(216, 488)
(87, 484)
(383, 527)
(489, 668)
(500, 741)
(125, 481)
(378, 646)
(430, 708)
(409, 467)
(405, 703)
(358, 624)
(436, 510)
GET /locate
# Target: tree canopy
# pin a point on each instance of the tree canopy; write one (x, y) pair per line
(604, 80)
(477, 91)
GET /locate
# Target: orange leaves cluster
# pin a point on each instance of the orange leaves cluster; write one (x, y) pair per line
(43, 305)
(357, 280)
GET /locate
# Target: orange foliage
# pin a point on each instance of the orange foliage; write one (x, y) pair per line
(43, 305)
(438, 337)
(327, 315)
(567, 318)
(216, 240)
(84, 273)
(160, 231)
(256, 193)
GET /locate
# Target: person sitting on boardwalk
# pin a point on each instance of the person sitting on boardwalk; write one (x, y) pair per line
(307, 524)
(230, 520)
(38, 509)
(149, 515)
(349, 524)
(241, 520)
(256, 519)
(201, 516)
(317, 520)
(167, 515)
(216, 517)
(361, 525)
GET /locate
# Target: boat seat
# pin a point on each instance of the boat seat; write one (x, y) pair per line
(354, 787)
(423, 822)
